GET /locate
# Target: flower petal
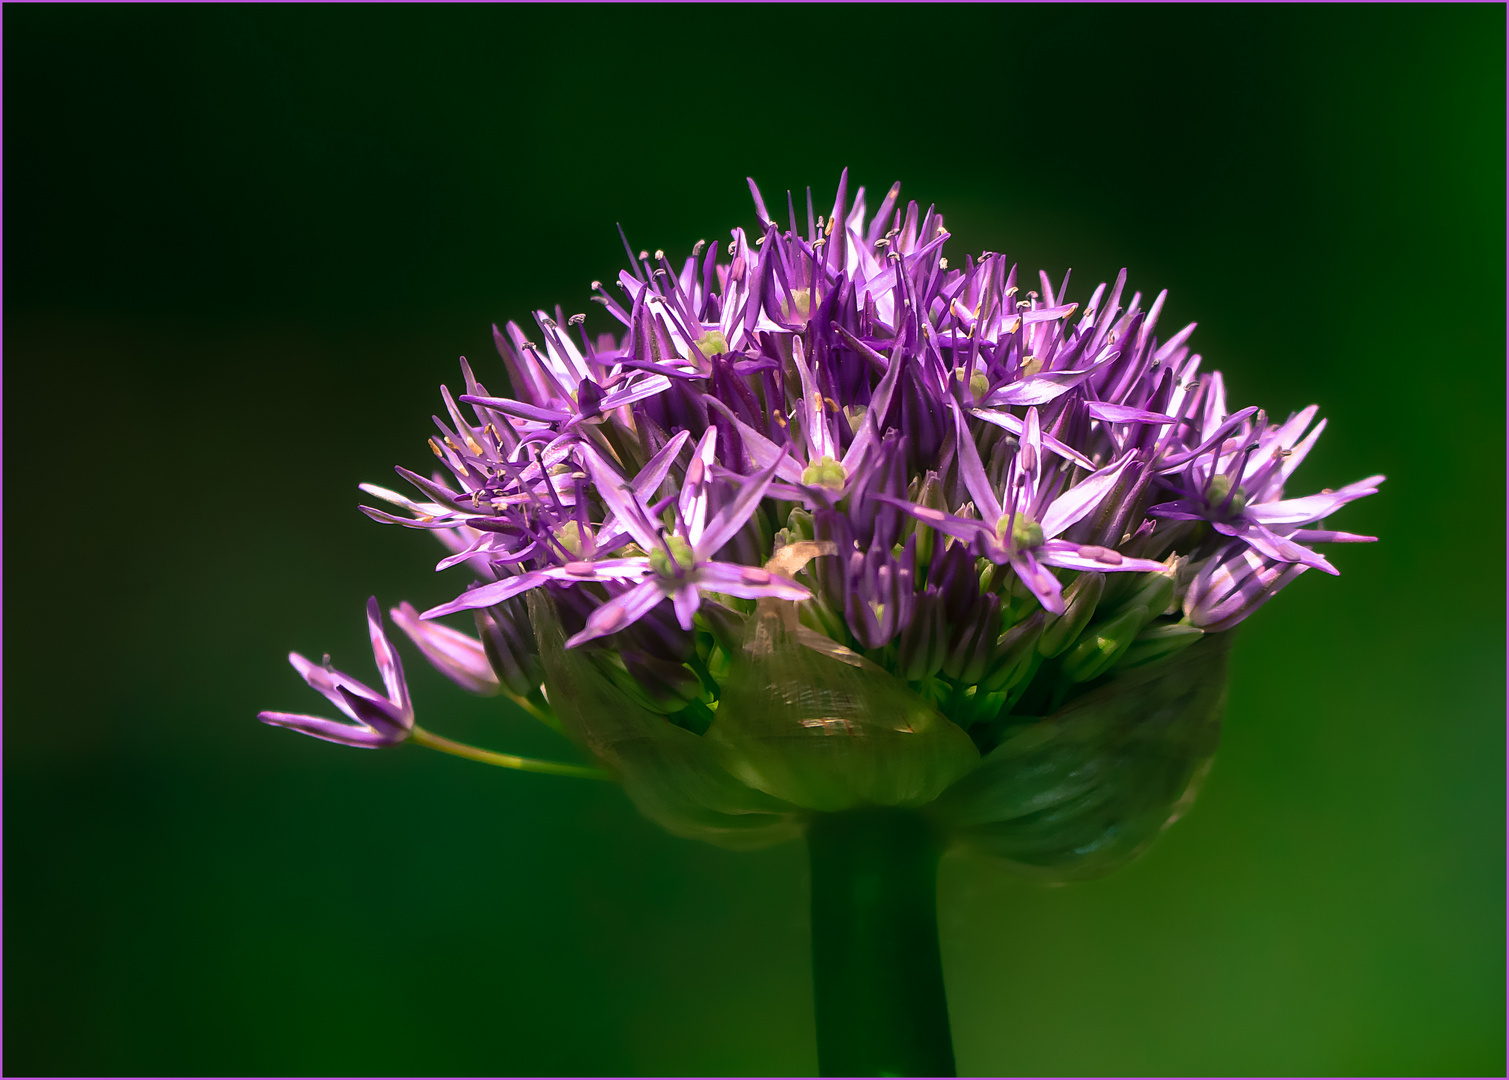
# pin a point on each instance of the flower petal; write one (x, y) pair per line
(387, 659)
(748, 582)
(731, 518)
(358, 735)
(459, 657)
(1082, 498)
(1090, 557)
(619, 496)
(1312, 507)
(623, 610)
(488, 595)
(1043, 584)
(686, 600)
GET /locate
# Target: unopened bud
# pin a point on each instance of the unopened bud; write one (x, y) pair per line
(1017, 645)
(930, 495)
(799, 525)
(1155, 593)
(1158, 642)
(1103, 645)
(508, 642)
(1080, 599)
(669, 686)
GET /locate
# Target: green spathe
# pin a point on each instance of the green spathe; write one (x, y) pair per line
(1084, 791)
(673, 776)
(806, 726)
(820, 727)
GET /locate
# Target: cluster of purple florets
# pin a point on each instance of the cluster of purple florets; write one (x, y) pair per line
(994, 493)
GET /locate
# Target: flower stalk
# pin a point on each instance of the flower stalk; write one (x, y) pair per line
(876, 970)
(422, 737)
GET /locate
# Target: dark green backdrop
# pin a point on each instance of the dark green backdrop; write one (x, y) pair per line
(244, 246)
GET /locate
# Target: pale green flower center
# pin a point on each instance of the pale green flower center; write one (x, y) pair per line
(712, 343)
(801, 304)
(825, 472)
(570, 537)
(1025, 533)
(681, 557)
(1219, 488)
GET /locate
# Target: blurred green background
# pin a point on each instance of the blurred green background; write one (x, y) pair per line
(243, 246)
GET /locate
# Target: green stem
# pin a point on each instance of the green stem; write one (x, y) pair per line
(508, 761)
(876, 970)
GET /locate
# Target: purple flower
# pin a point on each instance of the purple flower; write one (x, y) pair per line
(1234, 583)
(375, 719)
(679, 565)
(1234, 480)
(825, 518)
(1020, 526)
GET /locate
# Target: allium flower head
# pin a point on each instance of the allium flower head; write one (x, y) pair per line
(828, 522)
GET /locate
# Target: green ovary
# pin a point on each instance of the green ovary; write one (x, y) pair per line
(1219, 488)
(681, 557)
(1025, 533)
(712, 343)
(825, 472)
(570, 537)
